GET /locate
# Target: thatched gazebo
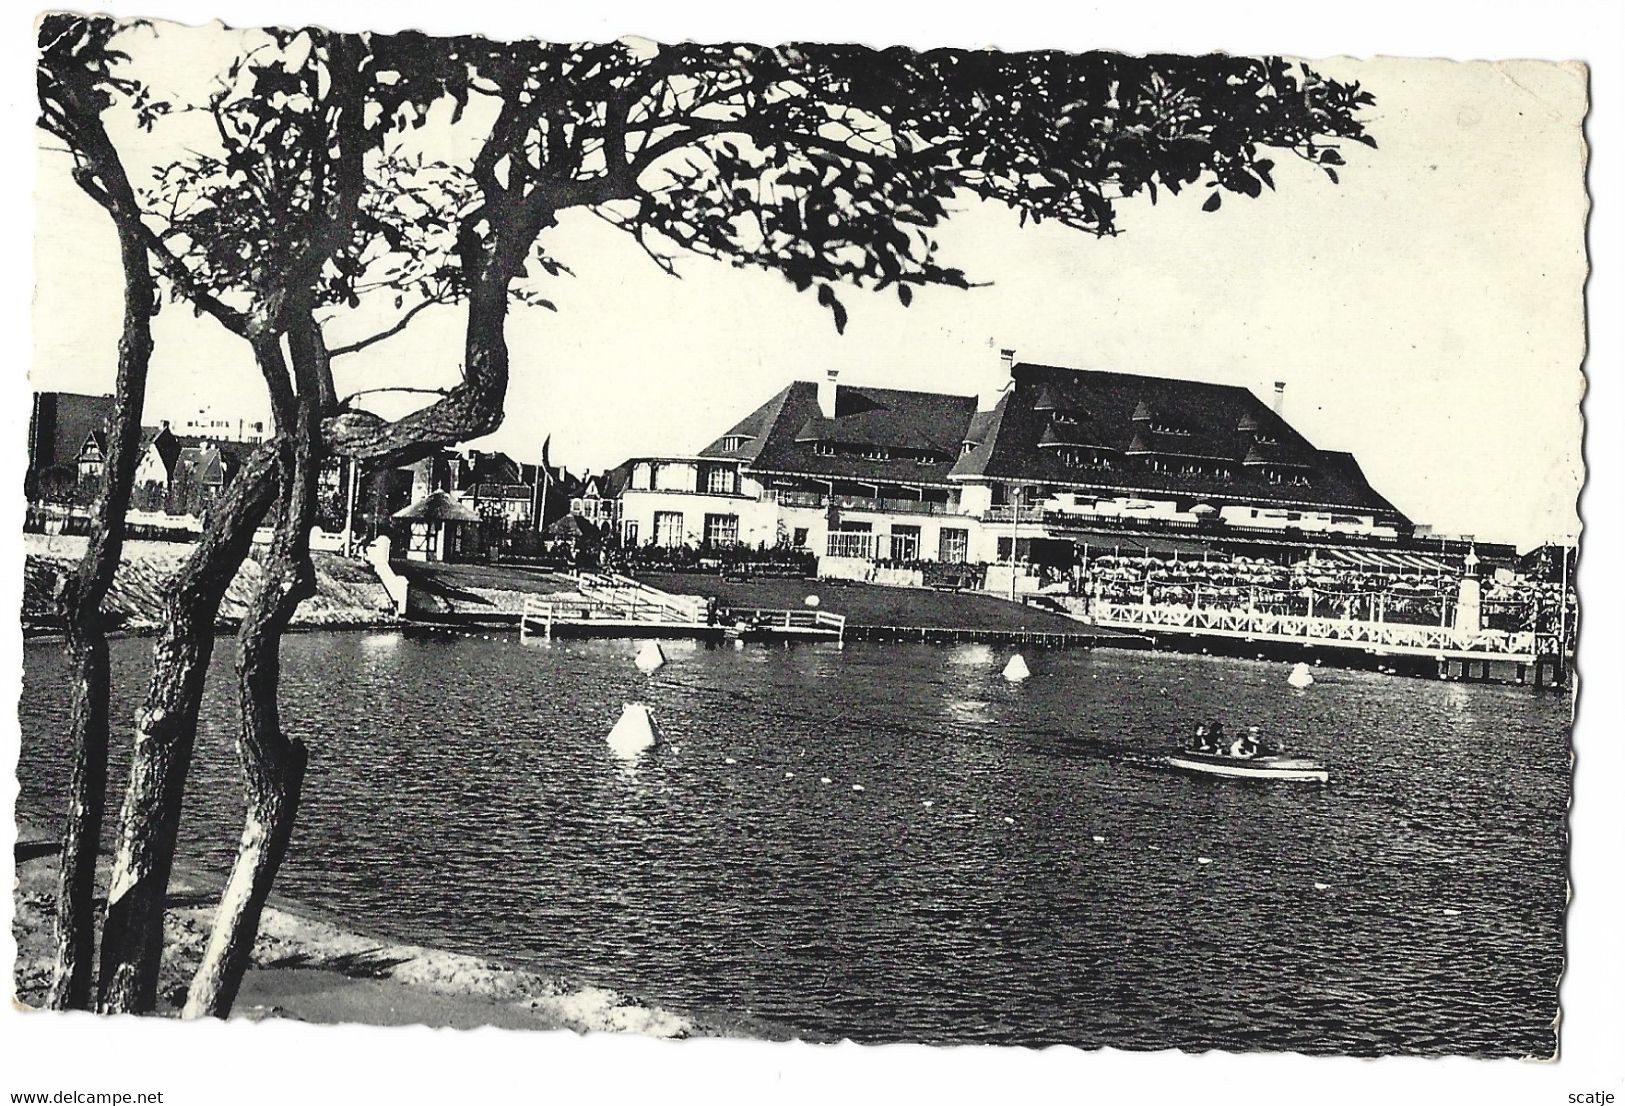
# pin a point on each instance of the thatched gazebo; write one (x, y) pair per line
(439, 529)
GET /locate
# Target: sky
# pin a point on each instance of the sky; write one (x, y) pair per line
(1426, 314)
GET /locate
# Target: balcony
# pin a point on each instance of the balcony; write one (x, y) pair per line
(1034, 515)
(789, 497)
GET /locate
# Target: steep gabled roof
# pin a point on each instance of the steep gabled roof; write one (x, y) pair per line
(162, 441)
(616, 480)
(205, 465)
(789, 428)
(752, 430)
(1122, 410)
(984, 433)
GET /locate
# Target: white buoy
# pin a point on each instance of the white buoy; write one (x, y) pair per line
(1204, 860)
(1322, 886)
(729, 760)
(635, 733)
(1016, 670)
(1009, 821)
(927, 803)
(1300, 677)
(1099, 840)
(811, 601)
(857, 787)
(649, 657)
(825, 779)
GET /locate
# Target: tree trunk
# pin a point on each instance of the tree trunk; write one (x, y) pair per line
(132, 938)
(273, 764)
(84, 592)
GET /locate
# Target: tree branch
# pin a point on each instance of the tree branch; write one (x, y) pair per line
(400, 325)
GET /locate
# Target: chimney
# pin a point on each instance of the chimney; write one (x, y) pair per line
(826, 394)
(1280, 396)
(1008, 356)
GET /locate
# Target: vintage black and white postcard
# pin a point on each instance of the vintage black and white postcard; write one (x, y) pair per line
(801, 541)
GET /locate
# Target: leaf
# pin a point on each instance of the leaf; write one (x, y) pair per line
(905, 294)
(1330, 172)
(1212, 203)
(1331, 157)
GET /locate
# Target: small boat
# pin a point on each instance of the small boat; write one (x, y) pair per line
(1251, 768)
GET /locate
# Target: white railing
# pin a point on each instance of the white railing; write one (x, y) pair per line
(1392, 637)
(615, 589)
(612, 599)
(791, 619)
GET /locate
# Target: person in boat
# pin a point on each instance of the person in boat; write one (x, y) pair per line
(1200, 742)
(1245, 747)
(1215, 737)
(1267, 746)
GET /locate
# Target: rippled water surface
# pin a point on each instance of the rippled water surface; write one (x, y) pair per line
(1016, 867)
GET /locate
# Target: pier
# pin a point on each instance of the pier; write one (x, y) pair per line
(1462, 654)
(618, 606)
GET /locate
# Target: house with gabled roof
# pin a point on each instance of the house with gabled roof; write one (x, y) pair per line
(59, 425)
(155, 470)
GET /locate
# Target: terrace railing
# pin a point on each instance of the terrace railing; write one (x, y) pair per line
(1380, 637)
(881, 504)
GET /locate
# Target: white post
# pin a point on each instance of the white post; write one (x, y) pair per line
(349, 513)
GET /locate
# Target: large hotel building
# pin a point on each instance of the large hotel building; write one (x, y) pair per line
(1066, 462)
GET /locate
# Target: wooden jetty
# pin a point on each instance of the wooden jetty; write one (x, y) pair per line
(764, 624)
(618, 606)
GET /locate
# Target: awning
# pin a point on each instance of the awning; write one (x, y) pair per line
(1383, 561)
(1144, 545)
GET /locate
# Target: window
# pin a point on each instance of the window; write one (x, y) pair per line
(721, 529)
(850, 543)
(905, 543)
(824, 449)
(669, 528)
(967, 447)
(733, 442)
(630, 534)
(1064, 418)
(953, 545)
(799, 539)
(1085, 459)
(720, 480)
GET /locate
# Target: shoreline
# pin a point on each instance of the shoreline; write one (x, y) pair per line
(309, 967)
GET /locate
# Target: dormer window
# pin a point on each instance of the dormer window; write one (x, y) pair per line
(824, 449)
(1163, 426)
(1089, 459)
(967, 448)
(733, 442)
(1065, 418)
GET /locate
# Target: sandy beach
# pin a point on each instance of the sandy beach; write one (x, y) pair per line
(313, 971)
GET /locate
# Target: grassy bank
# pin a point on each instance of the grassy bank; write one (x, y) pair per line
(347, 592)
(316, 971)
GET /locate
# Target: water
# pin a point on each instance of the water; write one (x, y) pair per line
(461, 794)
